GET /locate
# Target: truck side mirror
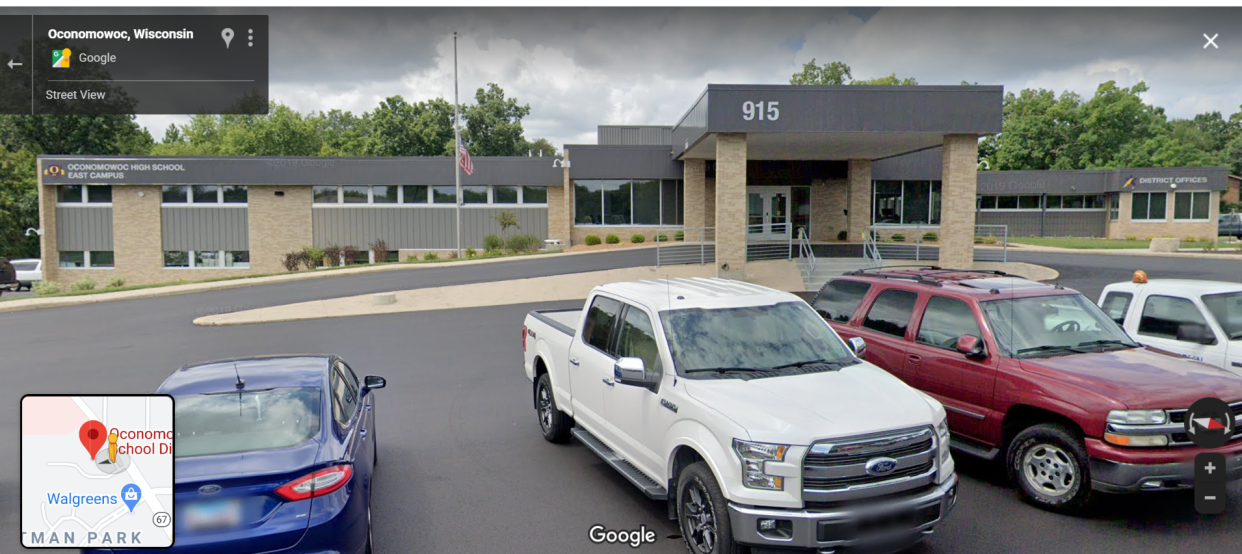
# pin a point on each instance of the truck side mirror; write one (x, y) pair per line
(374, 382)
(1196, 333)
(971, 346)
(633, 372)
(858, 346)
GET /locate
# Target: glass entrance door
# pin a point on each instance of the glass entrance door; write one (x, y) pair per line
(767, 213)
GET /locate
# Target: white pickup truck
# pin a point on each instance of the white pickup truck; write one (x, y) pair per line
(1201, 320)
(739, 406)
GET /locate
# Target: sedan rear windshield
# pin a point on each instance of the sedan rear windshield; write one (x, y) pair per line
(25, 266)
(1227, 309)
(1052, 325)
(224, 423)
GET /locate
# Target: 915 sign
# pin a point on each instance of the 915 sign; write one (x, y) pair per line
(765, 111)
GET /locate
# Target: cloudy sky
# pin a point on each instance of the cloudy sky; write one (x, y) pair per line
(581, 67)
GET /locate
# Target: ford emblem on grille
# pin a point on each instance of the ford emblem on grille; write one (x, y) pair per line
(881, 466)
(213, 489)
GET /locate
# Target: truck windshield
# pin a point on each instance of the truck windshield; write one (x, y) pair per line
(1227, 309)
(1052, 325)
(783, 337)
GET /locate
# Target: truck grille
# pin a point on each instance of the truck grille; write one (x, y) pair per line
(836, 470)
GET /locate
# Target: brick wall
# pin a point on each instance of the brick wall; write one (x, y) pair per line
(859, 198)
(1170, 227)
(957, 213)
(829, 200)
(731, 204)
(694, 175)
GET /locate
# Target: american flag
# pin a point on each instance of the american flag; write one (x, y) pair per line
(463, 159)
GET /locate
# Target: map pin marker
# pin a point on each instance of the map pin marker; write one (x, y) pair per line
(227, 33)
(130, 495)
(93, 435)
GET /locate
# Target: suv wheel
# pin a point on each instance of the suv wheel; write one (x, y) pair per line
(1049, 464)
(553, 422)
(702, 512)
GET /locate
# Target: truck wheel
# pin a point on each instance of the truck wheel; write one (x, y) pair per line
(1050, 466)
(553, 422)
(703, 512)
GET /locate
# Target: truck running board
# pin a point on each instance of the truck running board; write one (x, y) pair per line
(976, 449)
(650, 488)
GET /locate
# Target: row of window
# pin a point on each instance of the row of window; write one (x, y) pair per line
(1163, 316)
(1187, 206)
(628, 202)
(207, 259)
(1038, 202)
(204, 194)
(425, 194)
(906, 202)
(84, 194)
(89, 258)
(944, 320)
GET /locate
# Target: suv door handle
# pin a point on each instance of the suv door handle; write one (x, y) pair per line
(573, 361)
(608, 382)
(914, 358)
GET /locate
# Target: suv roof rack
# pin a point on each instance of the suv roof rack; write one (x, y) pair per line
(926, 277)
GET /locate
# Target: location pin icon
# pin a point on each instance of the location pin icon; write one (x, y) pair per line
(227, 33)
(93, 435)
(130, 495)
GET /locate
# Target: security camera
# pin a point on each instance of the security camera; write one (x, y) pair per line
(32, 232)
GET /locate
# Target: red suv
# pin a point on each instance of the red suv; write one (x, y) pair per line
(1036, 372)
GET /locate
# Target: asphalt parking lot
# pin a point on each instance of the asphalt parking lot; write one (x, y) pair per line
(464, 468)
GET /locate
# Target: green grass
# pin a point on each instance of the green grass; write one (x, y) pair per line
(1094, 243)
(7, 298)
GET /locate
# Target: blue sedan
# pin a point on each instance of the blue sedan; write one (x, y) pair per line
(273, 454)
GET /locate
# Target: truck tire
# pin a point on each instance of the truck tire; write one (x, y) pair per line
(1049, 464)
(703, 512)
(553, 422)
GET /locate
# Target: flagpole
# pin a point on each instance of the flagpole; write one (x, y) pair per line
(457, 140)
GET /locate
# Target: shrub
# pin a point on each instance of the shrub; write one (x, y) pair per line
(679, 235)
(314, 257)
(332, 255)
(523, 244)
(899, 238)
(1149, 237)
(989, 240)
(1190, 238)
(842, 235)
(637, 238)
(978, 240)
(412, 258)
(430, 256)
(493, 254)
(351, 255)
(591, 240)
(453, 255)
(44, 288)
(493, 242)
(470, 252)
(85, 283)
(661, 237)
(1131, 237)
(612, 239)
(294, 260)
(116, 282)
(1210, 246)
(380, 249)
(931, 237)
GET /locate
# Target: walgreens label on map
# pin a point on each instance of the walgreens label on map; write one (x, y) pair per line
(97, 471)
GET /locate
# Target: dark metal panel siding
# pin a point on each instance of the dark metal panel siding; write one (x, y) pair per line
(82, 228)
(205, 228)
(925, 165)
(1075, 223)
(418, 228)
(1021, 224)
(692, 126)
(635, 135)
(623, 162)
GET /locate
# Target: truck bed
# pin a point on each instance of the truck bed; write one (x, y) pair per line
(564, 321)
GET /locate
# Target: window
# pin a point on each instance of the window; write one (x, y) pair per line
(354, 194)
(506, 194)
(26, 266)
(637, 339)
(382, 194)
(627, 202)
(207, 259)
(906, 202)
(1192, 206)
(235, 194)
(100, 258)
(534, 195)
(344, 397)
(1227, 309)
(79, 194)
(72, 259)
(1148, 206)
(1167, 317)
(887, 199)
(474, 194)
(69, 194)
(1020, 202)
(208, 424)
(838, 300)
(1074, 202)
(600, 320)
(392, 256)
(99, 194)
(1116, 304)
(414, 194)
(946, 319)
(326, 195)
(1052, 325)
(1114, 207)
(206, 194)
(890, 313)
(444, 195)
(175, 194)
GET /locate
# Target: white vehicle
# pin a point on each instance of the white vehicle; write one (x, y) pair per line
(29, 272)
(1201, 320)
(739, 406)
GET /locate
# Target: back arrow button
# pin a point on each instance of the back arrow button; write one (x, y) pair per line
(13, 63)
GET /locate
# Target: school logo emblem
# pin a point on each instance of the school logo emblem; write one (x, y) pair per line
(54, 171)
(1129, 182)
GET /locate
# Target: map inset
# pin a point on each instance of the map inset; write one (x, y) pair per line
(97, 471)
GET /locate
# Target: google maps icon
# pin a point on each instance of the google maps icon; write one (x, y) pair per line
(93, 435)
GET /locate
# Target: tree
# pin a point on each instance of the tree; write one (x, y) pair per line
(506, 219)
(1037, 130)
(19, 204)
(542, 146)
(890, 80)
(400, 128)
(494, 124)
(1112, 118)
(831, 73)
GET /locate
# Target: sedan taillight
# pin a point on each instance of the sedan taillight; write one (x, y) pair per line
(317, 483)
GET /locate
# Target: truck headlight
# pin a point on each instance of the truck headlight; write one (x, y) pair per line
(753, 456)
(1137, 440)
(1138, 417)
(942, 431)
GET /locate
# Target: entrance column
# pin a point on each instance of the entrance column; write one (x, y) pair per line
(695, 178)
(957, 212)
(731, 205)
(860, 198)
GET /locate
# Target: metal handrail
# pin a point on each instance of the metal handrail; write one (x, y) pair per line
(871, 252)
(672, 251)
(806, 254)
